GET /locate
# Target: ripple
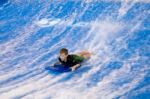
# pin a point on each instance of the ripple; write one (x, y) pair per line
(33, 32)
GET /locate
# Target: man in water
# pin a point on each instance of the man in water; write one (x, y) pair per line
(72, 60)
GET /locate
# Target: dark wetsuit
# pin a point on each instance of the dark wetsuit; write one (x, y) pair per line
(72, 60)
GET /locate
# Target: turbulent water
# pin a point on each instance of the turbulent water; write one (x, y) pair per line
(117, 32)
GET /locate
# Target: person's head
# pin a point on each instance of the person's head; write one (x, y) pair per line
(63, 53)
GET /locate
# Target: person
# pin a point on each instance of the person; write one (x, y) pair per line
(72, 60)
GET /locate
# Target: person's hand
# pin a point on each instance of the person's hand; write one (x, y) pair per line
(75, 67)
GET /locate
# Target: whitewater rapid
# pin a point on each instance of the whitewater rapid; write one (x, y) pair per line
(117, 32)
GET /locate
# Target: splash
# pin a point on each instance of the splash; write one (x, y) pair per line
(116, 32)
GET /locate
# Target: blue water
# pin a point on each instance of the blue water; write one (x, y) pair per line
(117, 32)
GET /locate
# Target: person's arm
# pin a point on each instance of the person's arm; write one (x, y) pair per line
(77, 63)
(59, 59)
(75, 67)
(58, 62)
